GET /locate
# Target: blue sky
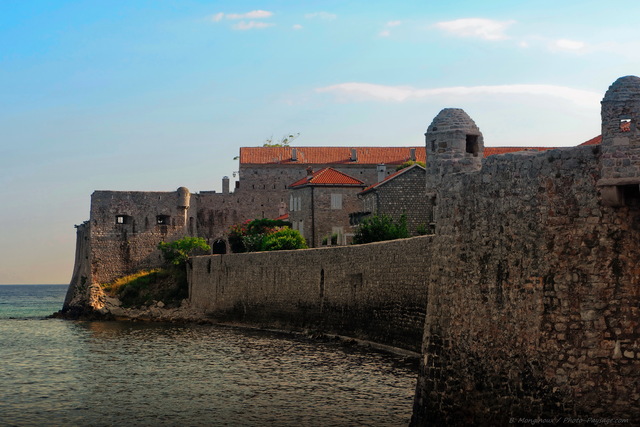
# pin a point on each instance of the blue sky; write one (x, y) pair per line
(154, 95)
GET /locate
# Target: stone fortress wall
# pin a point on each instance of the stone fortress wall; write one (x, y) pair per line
(529, 288)
(375, 292)
(532, 281)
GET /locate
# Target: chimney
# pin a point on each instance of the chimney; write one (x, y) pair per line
(412, 154)
(225, 185)
(294, 155)
(382, 172)
(354, 155)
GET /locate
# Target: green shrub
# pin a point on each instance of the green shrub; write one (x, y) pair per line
(379, 228)
(177, 252)
(250, 236)
(284, 239)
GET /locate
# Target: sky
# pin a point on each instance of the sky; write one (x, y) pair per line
(157, 94)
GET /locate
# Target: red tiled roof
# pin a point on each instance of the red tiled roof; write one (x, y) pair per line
(330, 155)
(282, 217)
(390, 177)
(328, 176)
(593, 141)
(342, 155)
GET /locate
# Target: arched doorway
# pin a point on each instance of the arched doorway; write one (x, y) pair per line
(219, 247)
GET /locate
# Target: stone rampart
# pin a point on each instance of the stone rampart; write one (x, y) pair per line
(533, 298)
(375, 291)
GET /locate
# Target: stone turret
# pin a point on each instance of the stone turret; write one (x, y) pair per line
(454, 145)
(620, 160)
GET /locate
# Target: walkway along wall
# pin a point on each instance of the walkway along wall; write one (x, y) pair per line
(375, 291)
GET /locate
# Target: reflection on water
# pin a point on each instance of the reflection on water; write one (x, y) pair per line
(107, 373)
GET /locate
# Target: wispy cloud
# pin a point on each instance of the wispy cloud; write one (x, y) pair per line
(356, 90)
(386, 32)
(321, 15)
(564, 44)
(254, 14)
(297, 27)
(252, 25)
(486, 29)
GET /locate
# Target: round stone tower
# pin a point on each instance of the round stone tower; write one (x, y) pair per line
(183, 197)
(454, 145)
(620, 159)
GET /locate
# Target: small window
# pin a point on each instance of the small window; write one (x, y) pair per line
(336, 201)
(163, 219)
(625, 125)
(123, 219)
(472, 145)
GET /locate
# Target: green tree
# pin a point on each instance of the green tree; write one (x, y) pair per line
(379, 228)
(249, 236)
(177, 252)
(283, 239)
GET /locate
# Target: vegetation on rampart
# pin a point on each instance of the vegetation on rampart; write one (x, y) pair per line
(410, 163)
(264, 235)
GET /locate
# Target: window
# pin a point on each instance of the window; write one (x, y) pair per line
(123, 219)
(163, 219)
(625, 125)
(336, 201)
(294, 204)
(472, 145)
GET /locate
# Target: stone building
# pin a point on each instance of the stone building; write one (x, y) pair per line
(267, 172)
(401, 193)
(320, 204)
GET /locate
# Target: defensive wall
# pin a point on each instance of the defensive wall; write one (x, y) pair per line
(532, 284)
(375, 291)
(529, 289)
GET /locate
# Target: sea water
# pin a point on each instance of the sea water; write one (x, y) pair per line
(59, 372)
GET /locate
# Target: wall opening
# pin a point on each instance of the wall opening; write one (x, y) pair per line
(631, 195)
(472, 145)
(219, 247)
(163, 219)
(625, 125)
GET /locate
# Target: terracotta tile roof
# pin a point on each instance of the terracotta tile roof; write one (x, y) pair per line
(593, 141)
(342, 155)
(284, 217)
(329, 155)
(328, 176)
(390, 177)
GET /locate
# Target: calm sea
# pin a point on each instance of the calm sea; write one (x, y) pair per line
(65, 373)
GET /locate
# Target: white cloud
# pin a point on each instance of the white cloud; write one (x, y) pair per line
(321, 15)
(387, 32)
(564, 44)
(476, 27)
(243, 26)
(403, 93)
(254, 14)
(297, 27)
